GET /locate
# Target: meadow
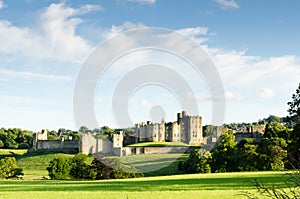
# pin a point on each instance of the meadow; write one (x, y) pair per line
(216, 185)
(222, 185)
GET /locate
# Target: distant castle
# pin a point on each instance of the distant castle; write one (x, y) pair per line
(187, 129)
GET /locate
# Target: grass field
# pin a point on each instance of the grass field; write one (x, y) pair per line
(222, 185)
(158, 144)
(34, 163)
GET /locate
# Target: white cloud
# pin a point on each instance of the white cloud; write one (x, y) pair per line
(234, 96)
(227, 3)
(266, 93)
(195, 33)
(31, 75)
(2, 5)
(57, 39)
(150, 2)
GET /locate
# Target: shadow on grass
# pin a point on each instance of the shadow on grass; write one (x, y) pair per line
(141, 184)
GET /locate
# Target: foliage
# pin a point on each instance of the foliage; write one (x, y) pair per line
(59, 168)
(272, 155)
(1, 144)
(14, 138)
(105, 168)
(276, 130)
(79, 167)
(198, 162)
(294, 146)
(294, 106)
(247, 155)
(224, 155)
(9, 168)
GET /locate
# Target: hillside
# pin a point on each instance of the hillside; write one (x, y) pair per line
(34, 163)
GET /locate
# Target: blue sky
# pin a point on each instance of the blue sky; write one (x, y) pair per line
(254, 45)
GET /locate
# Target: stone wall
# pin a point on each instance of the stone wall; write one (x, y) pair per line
(153, 150)
(90, 145)
(58, 145)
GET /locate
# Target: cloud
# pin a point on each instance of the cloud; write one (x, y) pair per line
(234, 96)
(2, 5)
(57, 38)
(227, 4)
(31, 75)
(195, 33)
(150, 2)
(266, 93)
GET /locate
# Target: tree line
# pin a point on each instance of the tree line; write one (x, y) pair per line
(278, 150)
(78, 168)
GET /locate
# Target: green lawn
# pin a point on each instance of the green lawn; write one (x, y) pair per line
(222, 185)
(12, 152)
(158, 144)
(155, 164)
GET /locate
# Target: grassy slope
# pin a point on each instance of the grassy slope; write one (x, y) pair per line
(224, 185)
(158, 144)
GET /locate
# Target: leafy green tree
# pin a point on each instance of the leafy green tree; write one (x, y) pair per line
(79, 167)
(1, 144)
(9, 168)
(198, 162)
(59, 168)
(275, 129)
(247, 158)
(105, 130)
(224, 155)
(294, 113)
(84, 129)
(272, 155)
(294, 110)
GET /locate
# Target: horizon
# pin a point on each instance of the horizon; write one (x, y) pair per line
(45, 44)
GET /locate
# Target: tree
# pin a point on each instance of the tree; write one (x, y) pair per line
(79, 167)
(9, 168)
(59, 168)
(84, 129)
(294, 113)
(272, 155)
(275, 129)
(1, 144)
(248, 158)
(198, 162)
(224, 155)
(294, 110)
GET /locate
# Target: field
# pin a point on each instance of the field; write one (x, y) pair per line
(222, 185)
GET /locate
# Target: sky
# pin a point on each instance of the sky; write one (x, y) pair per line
(254, 46)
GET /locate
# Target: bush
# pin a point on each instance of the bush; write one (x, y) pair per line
(9, 168)
(101, 168)
(79, 167)
(59, 168)
(198, 162)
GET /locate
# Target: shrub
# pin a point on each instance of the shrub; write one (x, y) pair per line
(59, 168)
(198, 162)
(9, 168)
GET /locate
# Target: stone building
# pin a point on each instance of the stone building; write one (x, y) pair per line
(187, 129)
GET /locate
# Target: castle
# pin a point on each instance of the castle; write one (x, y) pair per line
(187, 129)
